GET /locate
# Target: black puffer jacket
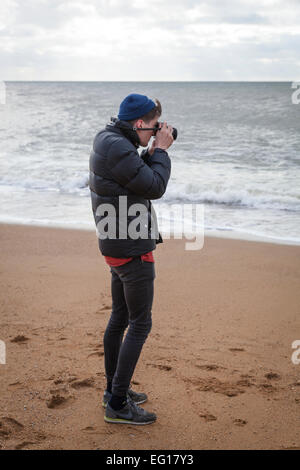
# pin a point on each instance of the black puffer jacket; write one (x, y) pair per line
(116, 169)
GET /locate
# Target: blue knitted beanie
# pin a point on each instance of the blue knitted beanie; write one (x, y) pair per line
(135, 106)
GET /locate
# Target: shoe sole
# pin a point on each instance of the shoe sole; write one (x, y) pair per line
(136, 402)
(126, 421)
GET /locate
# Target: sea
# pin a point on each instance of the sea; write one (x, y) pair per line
(237, 154)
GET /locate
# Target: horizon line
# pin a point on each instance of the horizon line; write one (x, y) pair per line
(156, 81)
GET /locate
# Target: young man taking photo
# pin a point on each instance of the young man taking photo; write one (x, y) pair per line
(117, 169)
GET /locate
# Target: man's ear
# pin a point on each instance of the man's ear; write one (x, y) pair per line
(138, 124)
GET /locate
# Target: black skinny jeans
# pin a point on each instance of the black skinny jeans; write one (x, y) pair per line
(132, 290)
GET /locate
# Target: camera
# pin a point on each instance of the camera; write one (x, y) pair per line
(174, 133)
(155, 129)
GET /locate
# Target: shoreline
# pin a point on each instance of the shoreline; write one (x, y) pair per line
(227, 234)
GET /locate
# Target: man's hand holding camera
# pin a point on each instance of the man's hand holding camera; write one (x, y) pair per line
(163, 139)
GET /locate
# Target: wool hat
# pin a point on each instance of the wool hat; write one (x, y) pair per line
(135, 106)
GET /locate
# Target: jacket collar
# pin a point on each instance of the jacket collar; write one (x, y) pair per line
(125, 129)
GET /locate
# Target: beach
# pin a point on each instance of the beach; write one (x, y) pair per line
(217, 365)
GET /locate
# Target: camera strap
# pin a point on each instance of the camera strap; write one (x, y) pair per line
(144, 128)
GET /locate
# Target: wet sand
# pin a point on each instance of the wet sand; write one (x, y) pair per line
(216, 366)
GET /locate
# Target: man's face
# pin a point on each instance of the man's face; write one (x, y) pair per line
(145, 136)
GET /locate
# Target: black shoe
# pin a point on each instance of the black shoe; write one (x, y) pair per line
(129, 414)
(138, 398)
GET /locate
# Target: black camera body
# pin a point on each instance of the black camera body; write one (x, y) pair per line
(174, 133)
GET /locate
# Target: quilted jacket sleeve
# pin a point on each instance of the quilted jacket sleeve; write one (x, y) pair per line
(145, 155)
(129, 170)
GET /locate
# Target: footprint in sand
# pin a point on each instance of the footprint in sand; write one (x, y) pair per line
(72, 378)
(63, 381)
(15, 385)
(208, 417)
(55, 391)
(59, 401)
(296, 384)
(232, 389)
(11, 430)
(135, 382)
(247, 376)
(24, 444)
(85, 383)
(240, 422)
(58, 381)
(212, 384)
(9, 426)
(60, 397)
(209, 367)
(160, 366)
(103, 309)
(272, 376)
(267, 387)
(97, 350)
(19, 339)
(96, 353)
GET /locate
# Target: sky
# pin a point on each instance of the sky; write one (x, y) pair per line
(154, 40)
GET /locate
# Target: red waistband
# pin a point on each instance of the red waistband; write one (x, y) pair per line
(120, 261)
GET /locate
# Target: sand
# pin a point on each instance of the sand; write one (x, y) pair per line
(216, 366)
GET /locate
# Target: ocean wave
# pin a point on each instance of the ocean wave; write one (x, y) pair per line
(231, 197)
(75, 185)
(189, 193)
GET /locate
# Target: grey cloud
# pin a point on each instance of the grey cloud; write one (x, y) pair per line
(120, 9)
(40, 27)
(49, 14)
(245, 61)
(243, 11)
(245, 19)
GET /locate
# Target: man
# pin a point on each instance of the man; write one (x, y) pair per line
(117, 169)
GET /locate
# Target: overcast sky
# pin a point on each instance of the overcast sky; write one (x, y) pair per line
(150, 40)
